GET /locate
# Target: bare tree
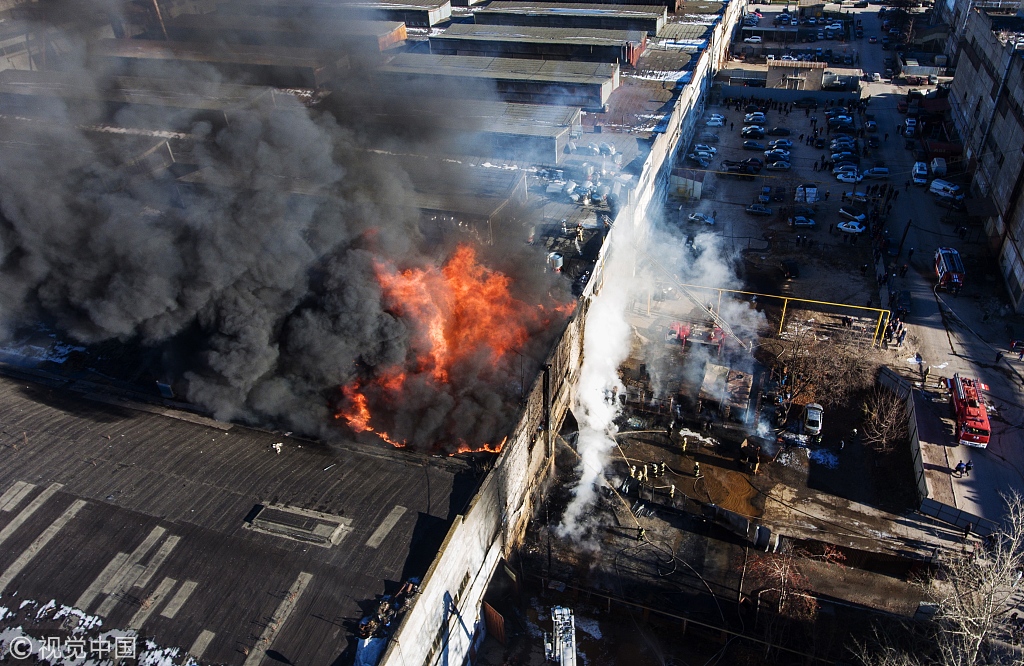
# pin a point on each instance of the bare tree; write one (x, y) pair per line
(782, 591)
(975, 593)
(885, 419)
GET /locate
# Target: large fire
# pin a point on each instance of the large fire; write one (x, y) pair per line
(461, 314)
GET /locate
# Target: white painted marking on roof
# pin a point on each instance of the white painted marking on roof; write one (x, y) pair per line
(284, 610)
(27, 512)
(388, 524)
(10, 500)
(158, 559)
(101, 581)
(121, 580)
(175, 604)
(150, 603)
(40, 542)
(202, 642)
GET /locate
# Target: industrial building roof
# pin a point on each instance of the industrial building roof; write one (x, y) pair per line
(685, 31)
(574, 9)
(700, 7)
(337, 27)
(229, 543)
(516, 33)
(491, 116)
(364, 4)
(176, 93)
(485, 67)
(275, 56)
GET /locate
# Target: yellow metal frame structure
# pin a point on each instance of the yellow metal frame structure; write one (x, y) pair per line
(881, 313)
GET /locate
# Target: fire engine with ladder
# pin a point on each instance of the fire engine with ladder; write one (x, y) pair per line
(972, 427)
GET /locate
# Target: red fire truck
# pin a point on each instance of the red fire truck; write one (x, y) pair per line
(972, 428)
(949, 269)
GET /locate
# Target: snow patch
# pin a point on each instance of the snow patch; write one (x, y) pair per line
(590, 627)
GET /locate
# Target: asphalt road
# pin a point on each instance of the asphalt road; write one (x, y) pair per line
(954, 334)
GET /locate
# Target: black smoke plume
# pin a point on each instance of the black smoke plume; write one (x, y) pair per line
(259, 276)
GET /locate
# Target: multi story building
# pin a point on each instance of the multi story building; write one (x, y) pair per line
(987, 103)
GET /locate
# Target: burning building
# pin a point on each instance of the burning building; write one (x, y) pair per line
(249, 247)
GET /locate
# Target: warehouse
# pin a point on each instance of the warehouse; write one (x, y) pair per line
(153, 103)
(413, 13)
(508, 41)
(280, 66)
(327, 35)
(651, 19)
(588, 85)
(522, 132)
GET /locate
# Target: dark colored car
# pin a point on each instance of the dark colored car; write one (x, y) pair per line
(790, 270)
(752, 145)
(758, 209)
(779, 131)
(754, 163)
(753, 133)
(806, 211)
(805, 103)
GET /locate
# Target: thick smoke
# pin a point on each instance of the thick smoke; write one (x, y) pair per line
(644, 266)
(265, 301)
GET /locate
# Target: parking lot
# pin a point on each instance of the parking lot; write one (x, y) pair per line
(804, 194)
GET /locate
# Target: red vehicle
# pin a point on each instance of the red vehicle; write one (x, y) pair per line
(972, 427)
(949, 269)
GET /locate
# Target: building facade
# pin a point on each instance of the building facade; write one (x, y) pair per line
(987, 108)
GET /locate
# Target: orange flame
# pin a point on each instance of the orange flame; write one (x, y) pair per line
(458, 312)
(357, 415)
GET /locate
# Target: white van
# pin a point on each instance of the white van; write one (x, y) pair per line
(945, 188)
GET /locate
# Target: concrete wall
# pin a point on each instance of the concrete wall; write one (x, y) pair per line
(987, 108)
(440, 626)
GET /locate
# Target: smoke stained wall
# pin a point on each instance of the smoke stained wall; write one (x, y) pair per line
(268, 300)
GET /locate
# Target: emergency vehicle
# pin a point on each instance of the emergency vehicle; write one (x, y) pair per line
(972, 427)
(949, 269)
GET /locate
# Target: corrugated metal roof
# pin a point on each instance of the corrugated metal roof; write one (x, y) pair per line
(685, 31)
(272, 24)
(487, 116)
(700, 7)
(335, 4)
(484, 67)
(517, 33)
(573, 9)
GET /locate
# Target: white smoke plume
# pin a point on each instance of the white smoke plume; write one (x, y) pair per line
(636, 267)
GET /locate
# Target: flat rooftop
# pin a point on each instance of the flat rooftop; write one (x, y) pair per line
(200, 535)
(573, 9)
(541, 71)
(480, 115)
(242, 22)
(539, 35)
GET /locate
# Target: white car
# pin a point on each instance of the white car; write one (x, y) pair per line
(754, 118)
(812, 421)
(702, 148)
(849, 177)
(851, 227)
(752, 40)
(715, 122)
(835, 26)
(920, 173)
(790, 58)
(701, 218)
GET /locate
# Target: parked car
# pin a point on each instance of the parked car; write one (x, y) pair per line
(758, 209)
(752, 40)
(852, 214)
(801, 221)
(806, 211)
(872, 40)
(849, 178)
(874, 142)
(844, 168)
(776, 155)
(702, 161)
(780, 131)
(754, 162)
(716, 115)
(703, 148)
(715, 122)
(851, 227)
(813, 420)
(755, 118)
(871, 126)
(780, 143)
(845, 156)
(876, 172)
(752, 132)
(765, 196)
(805, 103)
(701, 218)
(753, 145)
